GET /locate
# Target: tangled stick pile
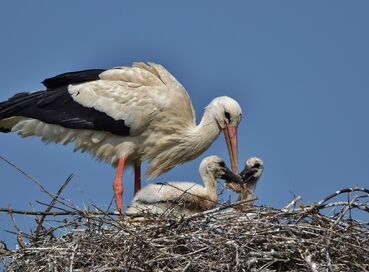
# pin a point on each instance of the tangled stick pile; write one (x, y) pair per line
(319, 237)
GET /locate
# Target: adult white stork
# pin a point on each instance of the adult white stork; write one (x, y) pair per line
(183, 198)
(124, 115)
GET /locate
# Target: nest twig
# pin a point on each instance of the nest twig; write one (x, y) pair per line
(324, 236)
(262, 239)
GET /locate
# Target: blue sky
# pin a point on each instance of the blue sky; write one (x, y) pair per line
(299, 69)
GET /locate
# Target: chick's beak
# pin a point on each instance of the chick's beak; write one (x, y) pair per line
(230, 133)
(231, 177)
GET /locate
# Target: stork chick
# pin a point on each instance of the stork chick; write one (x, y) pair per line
(183, 198)
(250, 175)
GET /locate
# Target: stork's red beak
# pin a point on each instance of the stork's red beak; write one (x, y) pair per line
(230, 133)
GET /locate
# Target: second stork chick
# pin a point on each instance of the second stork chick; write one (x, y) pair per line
(250, 175)
(183, 198)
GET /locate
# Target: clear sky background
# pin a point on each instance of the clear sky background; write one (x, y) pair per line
(299, 69)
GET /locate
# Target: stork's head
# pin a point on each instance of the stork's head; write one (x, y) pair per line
(253, 170)
(228, 114)
(215, 166)
(249, 176)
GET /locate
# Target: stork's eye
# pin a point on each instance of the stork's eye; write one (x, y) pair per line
(222, 164)
(257, 165)
(227, 115)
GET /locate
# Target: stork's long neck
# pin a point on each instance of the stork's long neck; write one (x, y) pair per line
(186, 145)
(210, 186)
(204, 134)
(248, 194)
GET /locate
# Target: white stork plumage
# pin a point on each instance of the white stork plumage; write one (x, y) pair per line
(183, 198)
(124, 115)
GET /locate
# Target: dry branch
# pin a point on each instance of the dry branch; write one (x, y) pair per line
(50, 206)
(35, 181)
(223, 239)
(295, 238)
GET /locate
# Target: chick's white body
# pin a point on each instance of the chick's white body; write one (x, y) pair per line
(180, 198)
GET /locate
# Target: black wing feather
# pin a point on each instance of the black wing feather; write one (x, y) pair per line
(72, 78)
(56, 106)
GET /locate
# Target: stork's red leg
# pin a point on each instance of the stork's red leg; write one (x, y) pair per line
(118, 184)
(137, 177)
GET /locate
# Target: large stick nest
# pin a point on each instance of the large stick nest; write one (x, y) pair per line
(319, 237)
